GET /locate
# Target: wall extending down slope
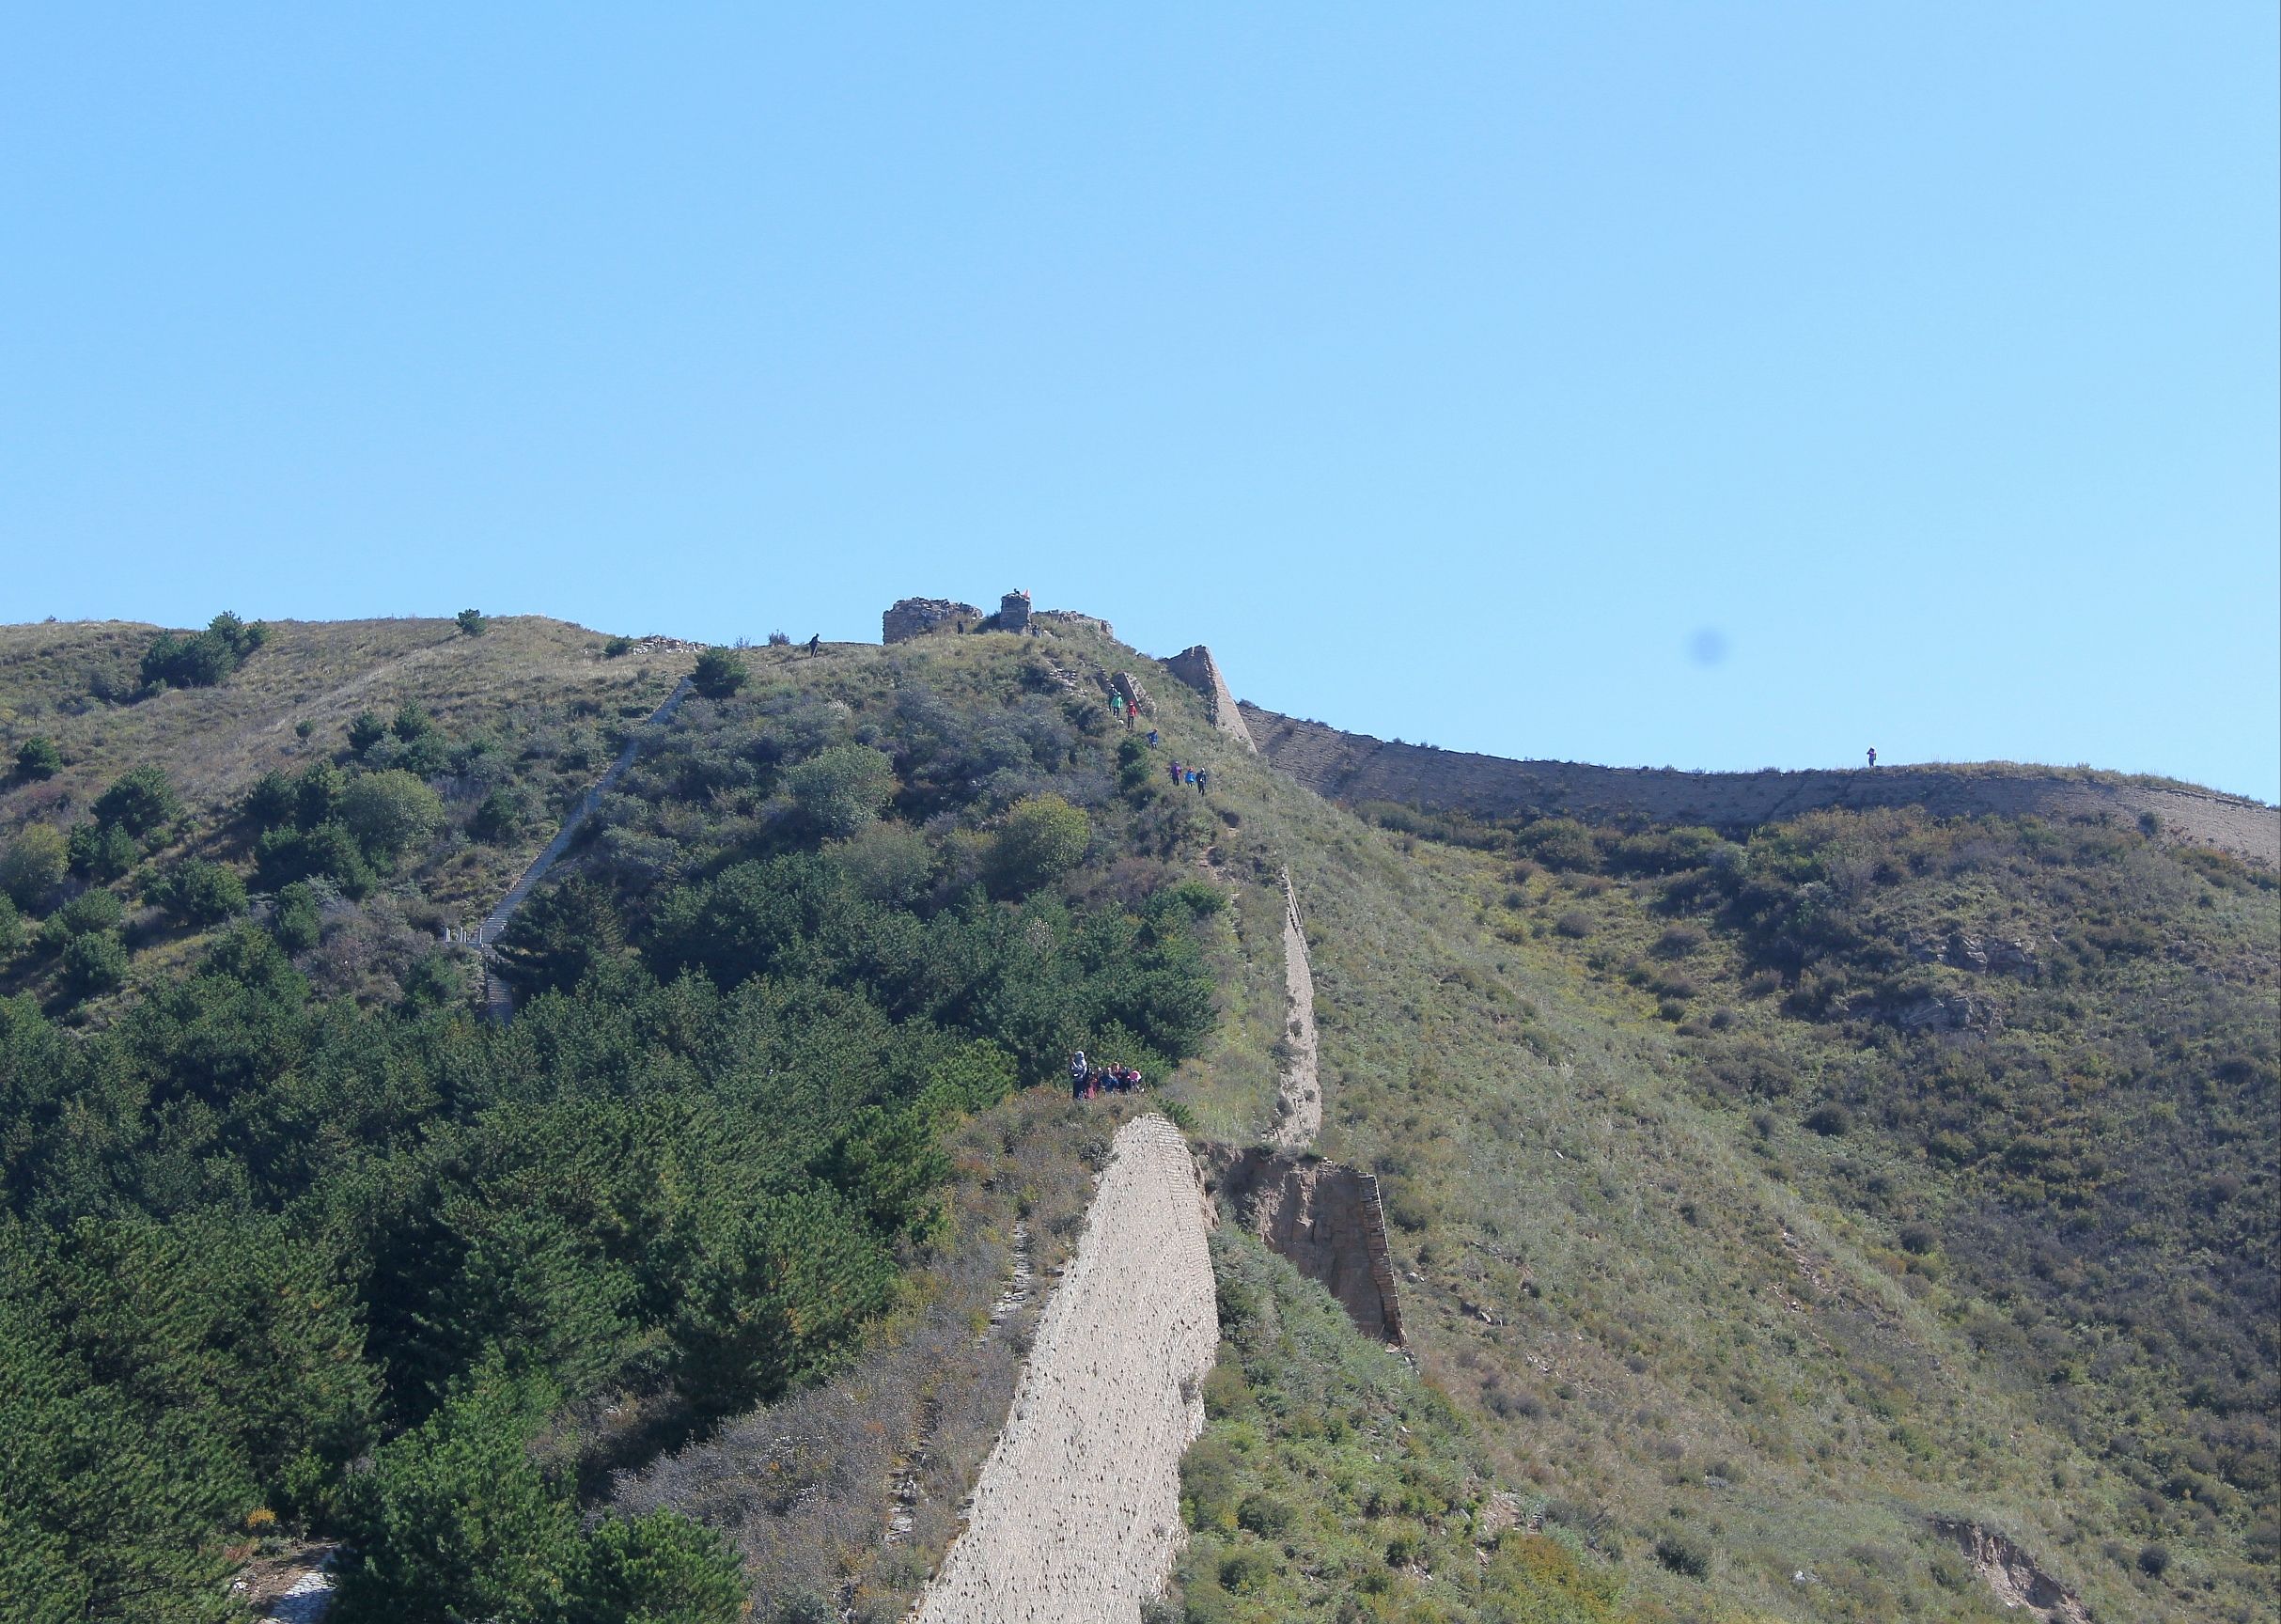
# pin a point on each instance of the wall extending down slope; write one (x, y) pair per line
(1078, 1510)
(1356, 767)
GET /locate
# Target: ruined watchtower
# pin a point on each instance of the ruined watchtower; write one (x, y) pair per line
(909, 617)
(1200, 671)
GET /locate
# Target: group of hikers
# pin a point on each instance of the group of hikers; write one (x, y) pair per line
(1130, 716)
(1089, 1078)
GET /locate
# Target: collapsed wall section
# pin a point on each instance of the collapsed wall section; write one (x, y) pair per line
(1327, 1222)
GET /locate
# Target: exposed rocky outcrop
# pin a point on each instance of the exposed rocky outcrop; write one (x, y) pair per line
(1196, 667)
(1981, 955)
(909, 617)
(1952, 1012)
(1356, 767)
(2012, 1574)
(1326, 1220)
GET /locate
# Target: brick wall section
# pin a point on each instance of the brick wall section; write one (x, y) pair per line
(1356, 767)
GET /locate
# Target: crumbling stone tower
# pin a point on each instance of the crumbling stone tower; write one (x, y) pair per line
(909, 617)
(1200, 671)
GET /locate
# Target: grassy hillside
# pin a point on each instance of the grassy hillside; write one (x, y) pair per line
(512, 726)
(1764, 1206)
(2024, 1074)
(293, 1242)
(1710, 1242)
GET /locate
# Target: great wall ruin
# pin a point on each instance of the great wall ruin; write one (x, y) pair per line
(1355, 767)
(1342, 766)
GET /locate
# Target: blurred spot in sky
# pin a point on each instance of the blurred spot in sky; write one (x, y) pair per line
(1708, 646)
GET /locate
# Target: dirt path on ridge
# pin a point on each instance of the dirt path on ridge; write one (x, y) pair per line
(1299, 1102)
(1076, 1514)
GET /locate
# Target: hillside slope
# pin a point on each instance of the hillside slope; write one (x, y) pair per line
(1837, 1216)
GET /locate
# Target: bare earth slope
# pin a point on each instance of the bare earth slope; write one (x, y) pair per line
(1077, 1512)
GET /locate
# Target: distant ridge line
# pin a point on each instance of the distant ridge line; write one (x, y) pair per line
(1356, 767)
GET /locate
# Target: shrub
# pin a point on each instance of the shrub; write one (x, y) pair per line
(412, 722)
(454, 1521)
(841, 788)
(390, 812)
(93, 963)
(38, 758)
(1918, 1238)
(102, 852)
(719, 673)
(1560, 843)
(661, 1568)
(1245, 1570)
(139, 802)
(1575, 924)
(297, 922)
(1264, 1515)
(366, 731)
(1041, 840)
(33, 864)
(616, 648)
(197, 892)
(1678, 941)
(272, 801)
(472, 623)
(1830, 1120)
(203, 659)
(91, 910)
(2154, 1560)
(284, 855)
(12, 927)
(1683, 1553)
(498, 819)
(888, 861)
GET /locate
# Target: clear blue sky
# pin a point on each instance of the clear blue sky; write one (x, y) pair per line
(1465, 374)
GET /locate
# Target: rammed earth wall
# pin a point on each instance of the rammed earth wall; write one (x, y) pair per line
(1356, 767)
